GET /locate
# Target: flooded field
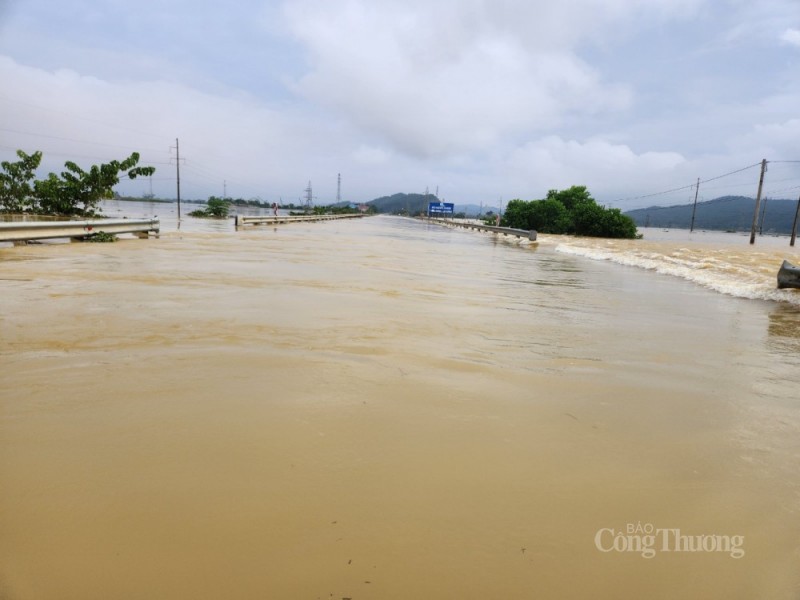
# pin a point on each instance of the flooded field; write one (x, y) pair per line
(387, 409)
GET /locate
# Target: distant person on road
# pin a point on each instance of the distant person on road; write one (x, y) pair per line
(497, 221)
(275, 208)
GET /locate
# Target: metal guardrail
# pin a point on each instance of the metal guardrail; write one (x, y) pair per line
(520, 233)
(22, 231)
(242, 220)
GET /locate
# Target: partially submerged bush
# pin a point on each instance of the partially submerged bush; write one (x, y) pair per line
(217, 208)
(571, 211)
(101, 237)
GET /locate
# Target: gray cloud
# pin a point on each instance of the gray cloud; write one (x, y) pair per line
(485, 99)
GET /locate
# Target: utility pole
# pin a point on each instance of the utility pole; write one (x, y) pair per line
(339, 189)
(758, 201)
(178, 175)
(763, 215)
(224, 189)
(794, 225)
(694, 208)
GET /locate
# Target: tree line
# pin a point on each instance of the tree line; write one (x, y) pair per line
(75, 192)
(571, 211)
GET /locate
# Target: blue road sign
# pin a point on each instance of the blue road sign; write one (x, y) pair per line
(441, 208)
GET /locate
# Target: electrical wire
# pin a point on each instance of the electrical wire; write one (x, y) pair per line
(687, 187)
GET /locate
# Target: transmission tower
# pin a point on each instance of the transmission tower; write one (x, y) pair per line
(309, 197)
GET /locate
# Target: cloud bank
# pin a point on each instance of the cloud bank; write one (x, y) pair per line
(483, 99)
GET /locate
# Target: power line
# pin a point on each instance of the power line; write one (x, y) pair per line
(49, 153)
(680, 189)
(65, 139)
(745, 184)
(732, 173)
(198, 173)
(210, 176)
(773, 192)
(688, 187)
(78, 117)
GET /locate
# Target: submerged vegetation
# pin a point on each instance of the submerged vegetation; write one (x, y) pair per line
(75, 192)
(216, 208)
(101, 237)
(571, 211)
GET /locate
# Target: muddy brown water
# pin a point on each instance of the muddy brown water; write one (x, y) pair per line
(387, 409)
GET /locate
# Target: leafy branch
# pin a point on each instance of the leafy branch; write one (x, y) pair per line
(76, 192)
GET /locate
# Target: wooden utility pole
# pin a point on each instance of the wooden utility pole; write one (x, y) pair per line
(794, 225)
(763, 216)
(694, 208)
(178, 170)
(758, 201)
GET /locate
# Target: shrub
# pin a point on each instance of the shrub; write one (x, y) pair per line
(571, 211)
(216, 208)
(101, 237)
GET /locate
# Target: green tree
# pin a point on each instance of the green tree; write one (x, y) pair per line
(52, 197)
(78, 192)
(516, 215)
(617, 225)
(571, 198)
(217, 207)
(16, 189)
(571, 211)
(589, 220)
(545, 216)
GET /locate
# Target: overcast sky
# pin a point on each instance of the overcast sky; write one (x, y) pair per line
(484, 99)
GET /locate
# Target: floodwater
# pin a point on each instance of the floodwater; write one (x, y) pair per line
(382, 408)
(725, 262)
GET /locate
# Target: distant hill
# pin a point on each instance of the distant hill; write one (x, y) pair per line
(417, 203)
(728, 213)
(400, 203)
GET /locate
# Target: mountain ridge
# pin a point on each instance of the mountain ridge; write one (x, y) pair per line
(726, 213)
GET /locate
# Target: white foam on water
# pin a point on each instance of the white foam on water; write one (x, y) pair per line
(727, 277)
